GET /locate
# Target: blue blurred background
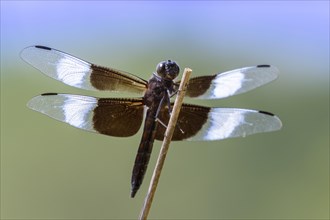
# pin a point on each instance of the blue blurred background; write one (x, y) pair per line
(51, 170)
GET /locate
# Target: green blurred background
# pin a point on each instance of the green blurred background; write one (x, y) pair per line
(52, 170)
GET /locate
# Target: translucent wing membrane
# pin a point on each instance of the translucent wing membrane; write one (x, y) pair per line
(225, 123)
(114, 117)
(81, 74)
(230, 83)
(203, 123)
(123, 117)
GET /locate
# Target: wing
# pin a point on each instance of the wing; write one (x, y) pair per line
(203, 123)
(109, 116)
(81, 74)
(230, 83)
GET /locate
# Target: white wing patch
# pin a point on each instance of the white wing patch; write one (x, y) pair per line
(239, 81)
(227, 84)
(78, 109)
(75, 110)
(223, 125)
(72, 71)
(232, 122)
(59, 65)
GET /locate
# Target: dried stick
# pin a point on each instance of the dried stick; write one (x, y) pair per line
(166, 143)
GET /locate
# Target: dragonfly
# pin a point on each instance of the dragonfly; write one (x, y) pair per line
(123, 117)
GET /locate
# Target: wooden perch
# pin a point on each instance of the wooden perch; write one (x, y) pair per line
(165, 145)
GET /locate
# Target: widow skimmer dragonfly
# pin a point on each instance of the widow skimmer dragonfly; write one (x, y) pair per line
(122, 117)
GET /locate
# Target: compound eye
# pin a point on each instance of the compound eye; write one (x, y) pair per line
(172, 69)
(160, 69)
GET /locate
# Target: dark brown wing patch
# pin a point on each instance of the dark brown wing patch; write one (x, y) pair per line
(190, 122)
(118, 117)
(198, 86)
(103, 78)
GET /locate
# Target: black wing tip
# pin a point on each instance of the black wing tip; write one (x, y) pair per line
(43, 47)
(49, 93)
(266, 113)
(263, 66)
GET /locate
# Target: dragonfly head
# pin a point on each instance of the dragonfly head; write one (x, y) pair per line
(168, 69)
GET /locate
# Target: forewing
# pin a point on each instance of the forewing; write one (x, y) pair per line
(79, 73)
(231, 83)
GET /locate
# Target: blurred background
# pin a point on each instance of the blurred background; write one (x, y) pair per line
(52, 170)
